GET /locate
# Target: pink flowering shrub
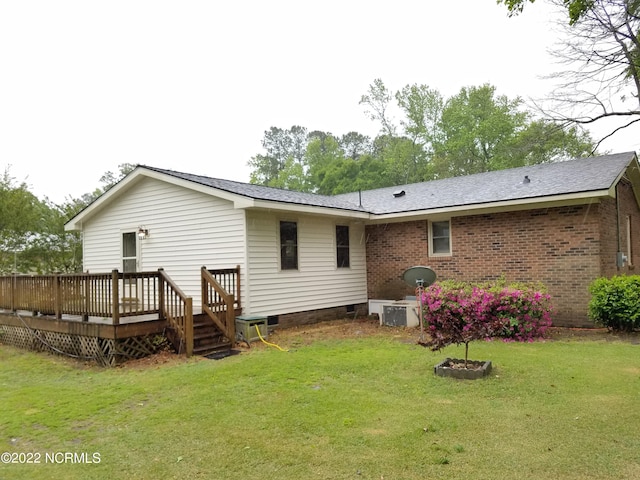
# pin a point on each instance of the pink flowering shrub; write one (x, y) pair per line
(458, 313)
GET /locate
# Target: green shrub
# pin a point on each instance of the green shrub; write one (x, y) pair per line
(615, 302)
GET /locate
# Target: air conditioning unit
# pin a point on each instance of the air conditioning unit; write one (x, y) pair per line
(400, 314)
(375, 306)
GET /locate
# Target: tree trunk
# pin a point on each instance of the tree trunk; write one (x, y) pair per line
(466, 353)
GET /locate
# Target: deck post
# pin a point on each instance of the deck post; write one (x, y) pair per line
(87, 300)
(14, 288)
(161, 308)
(57, 296)
(115, 296)
(204, 290)
(188, 325)
(231, 321)
(237, 299)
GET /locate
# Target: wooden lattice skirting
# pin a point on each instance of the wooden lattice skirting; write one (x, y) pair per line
(104, 351)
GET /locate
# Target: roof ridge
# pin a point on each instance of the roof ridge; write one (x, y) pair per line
(542, 180)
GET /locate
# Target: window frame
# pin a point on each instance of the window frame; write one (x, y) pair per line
(130, 260)
(629, 239)
(286, 265)
(341, 249)
(432, 238)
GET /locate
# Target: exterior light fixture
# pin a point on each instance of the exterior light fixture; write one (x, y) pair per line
(143, 233)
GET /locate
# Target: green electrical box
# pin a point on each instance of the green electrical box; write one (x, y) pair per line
(246, 327)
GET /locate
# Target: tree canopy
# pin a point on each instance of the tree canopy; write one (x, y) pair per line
(474, 131)
(600, 78)
(575, 8)
(32, 235)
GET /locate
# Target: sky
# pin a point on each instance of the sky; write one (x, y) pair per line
(193, 85)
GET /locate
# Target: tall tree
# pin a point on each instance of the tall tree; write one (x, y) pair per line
(482, 131)
(283, 148)
(355, 145)
(348, 175)
(422, 107)
(109, 179)
(377, 102)
(52, 249)
(322, 152)
(476, 127)
(21, 217)
(575, 8)
(473, 131)
(404, 160)
(600, 78)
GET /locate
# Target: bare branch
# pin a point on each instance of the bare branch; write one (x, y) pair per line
(613, 133)
(600, 66)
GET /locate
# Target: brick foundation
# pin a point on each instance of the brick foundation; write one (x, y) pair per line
(315, 316)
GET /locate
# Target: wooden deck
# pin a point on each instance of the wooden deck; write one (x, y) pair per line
(115, 316)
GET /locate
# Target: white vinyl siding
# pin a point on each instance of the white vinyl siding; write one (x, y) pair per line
(187, 230)
(317, 283)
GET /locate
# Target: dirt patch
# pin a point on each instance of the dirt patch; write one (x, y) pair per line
(339, 329)
(592, 334)
(157, 360)
(294, 337)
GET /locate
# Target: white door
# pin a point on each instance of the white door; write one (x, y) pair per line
(129, 291)
(129, 252)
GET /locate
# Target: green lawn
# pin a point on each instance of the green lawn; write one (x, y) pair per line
(360, 408)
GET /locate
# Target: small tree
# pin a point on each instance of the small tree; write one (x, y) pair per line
(458, 316)
(458, 313)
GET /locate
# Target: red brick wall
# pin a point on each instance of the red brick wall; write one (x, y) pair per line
(558, 246)
(628, 207)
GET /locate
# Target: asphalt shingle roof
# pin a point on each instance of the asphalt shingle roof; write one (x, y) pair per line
(260, 192)
(570, 177)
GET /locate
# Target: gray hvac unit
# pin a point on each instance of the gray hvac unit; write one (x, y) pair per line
(400, 314)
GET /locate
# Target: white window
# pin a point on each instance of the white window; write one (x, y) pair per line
(129, 252)
(342, 246)
(440, 238)
(288, 245)
(629, 240)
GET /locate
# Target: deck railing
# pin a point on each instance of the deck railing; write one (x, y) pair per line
(116, 295)
(219, 303)
(105, 295)
(177, 308)
(229, 280)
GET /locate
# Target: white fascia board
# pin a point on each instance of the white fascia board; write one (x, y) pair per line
(632, 173)
(75, 223)
(309, 209)
(206, 189)
(495, 207)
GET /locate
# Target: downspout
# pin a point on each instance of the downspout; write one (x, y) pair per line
(620, 257)
(618, 217)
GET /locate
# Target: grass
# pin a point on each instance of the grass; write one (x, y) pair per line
(366, 408)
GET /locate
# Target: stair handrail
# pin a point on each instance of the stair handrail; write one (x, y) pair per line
(220, 308)
(177, 308)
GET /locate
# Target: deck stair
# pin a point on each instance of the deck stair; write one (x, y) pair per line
(207, 337)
